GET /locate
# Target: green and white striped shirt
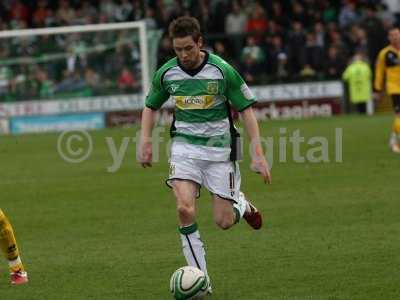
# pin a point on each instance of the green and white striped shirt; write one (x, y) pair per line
(201, 127)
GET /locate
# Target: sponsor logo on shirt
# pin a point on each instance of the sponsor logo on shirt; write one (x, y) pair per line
(194, 102)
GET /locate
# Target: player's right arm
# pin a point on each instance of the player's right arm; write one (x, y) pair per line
(146, 147)
(154, 100)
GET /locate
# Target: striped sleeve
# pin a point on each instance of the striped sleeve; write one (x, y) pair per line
(157, 95)
(237, 91)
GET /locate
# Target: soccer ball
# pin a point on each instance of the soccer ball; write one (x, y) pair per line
(189, 283)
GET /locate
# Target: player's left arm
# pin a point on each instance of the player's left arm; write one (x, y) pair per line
(258, 162)
(242, 99)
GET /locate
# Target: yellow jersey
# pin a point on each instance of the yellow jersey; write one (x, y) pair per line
(387, 71)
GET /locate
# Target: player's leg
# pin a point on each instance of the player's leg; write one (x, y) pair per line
(9, 247)
(185, 192)
(193, 249)
(227, 212)
(395, 135)
(225, 215)
(185, 179)
(223, 180)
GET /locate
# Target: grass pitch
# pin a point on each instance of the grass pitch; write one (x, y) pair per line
(332, 229)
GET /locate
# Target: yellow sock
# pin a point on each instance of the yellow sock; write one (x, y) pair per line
(8, 244)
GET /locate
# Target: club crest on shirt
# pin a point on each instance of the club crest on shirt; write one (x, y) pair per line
(212, 87)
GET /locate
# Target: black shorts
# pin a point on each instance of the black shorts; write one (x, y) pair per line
(396, 103)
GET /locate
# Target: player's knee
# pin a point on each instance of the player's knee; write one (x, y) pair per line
(224, 222)
(185, 211)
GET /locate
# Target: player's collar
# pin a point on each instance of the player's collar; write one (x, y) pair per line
(193, 72)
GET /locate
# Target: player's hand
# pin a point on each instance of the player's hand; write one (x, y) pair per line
(146, 153)
(260, 165)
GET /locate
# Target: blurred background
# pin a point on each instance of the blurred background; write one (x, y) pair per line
(269, 42)
(87, 231)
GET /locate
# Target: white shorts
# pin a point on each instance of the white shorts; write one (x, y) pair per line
(220, 178)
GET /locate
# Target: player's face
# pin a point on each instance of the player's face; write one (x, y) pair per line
(394, 37)
(187, 51)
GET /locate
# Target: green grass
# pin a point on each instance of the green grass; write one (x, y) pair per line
(332, 229)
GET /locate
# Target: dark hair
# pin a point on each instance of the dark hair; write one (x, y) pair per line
(185, 26)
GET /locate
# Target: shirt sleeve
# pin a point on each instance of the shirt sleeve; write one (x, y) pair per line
(237, 91)
(380, 69)
(157, 95)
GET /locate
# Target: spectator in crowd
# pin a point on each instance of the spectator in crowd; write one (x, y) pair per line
(71, 82)
(348, 14)
(362, 42)
(250, 69)
(334, 63)
(257, 23)
(127, 81)
(253, 50)
(165, 51)
(108, 8)
(45, 86)
(273, 29)
(329, 12)
(40, 14)
(278, 14)
(19, 11)
(236, 20)
(389, 18)
(138, 11)
(289, 34)
(65, 13)
(77, 52)
(374, 31)
(123, 11)
(320, 35)
(335, 39)
(149, 18)
(296, 42)
(235, 24)
(93, 80)
(89, 11)
(276, 58)
(298, 13)
(313, 54)
(220, 49)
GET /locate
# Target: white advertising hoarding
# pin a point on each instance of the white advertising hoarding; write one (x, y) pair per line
(76, 105)
(264, 94)
(4, 126)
